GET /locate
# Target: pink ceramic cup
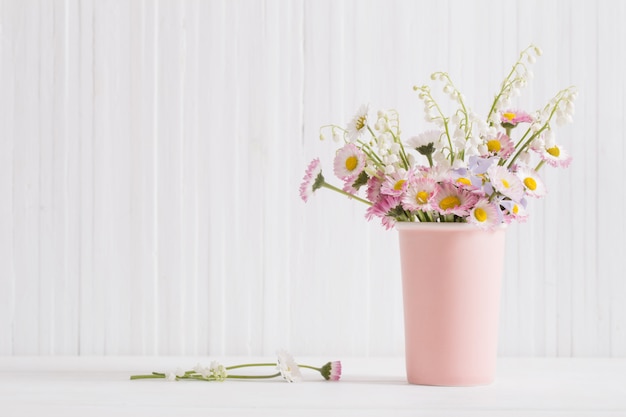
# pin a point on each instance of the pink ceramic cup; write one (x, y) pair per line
(451, 279)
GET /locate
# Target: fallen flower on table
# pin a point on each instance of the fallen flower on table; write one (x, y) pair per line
(286, 366)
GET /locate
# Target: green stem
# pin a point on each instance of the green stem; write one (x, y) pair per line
(310, 367)
(246, 365)
(253, 376)
(340, 191)
(507, 81)
(430, 159)
(526, 144)
(539, 165)
(153, 376)
(371, 154)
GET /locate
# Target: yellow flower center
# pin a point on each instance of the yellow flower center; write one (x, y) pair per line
(515, 209)
(351, 163)
(505, 183)
(360, 122)
(398, 185)
(421, 197)
(464, 180)
(480, 214)
(554, 151)
(530, 183)
(449, 202)
(509, 116)
(494, 145)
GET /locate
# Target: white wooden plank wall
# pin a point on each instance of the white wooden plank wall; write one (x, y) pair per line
(151, 153)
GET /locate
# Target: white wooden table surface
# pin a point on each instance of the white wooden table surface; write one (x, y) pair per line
(100, 386)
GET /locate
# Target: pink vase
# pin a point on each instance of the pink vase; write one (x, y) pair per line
(451, 278)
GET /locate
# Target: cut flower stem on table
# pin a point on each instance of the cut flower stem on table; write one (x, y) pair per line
(285, 365)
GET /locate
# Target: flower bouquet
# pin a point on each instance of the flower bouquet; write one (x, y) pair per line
(468, 169)
(450, 191)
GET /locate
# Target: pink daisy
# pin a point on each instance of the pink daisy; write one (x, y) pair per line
(450, 199)
(511, 118)
(381, 208)
(313, 180)
(501, 146)
(374, 185)
(485, 215)
(555, 156)
(419, 194)
(349, 162)
(396, 184)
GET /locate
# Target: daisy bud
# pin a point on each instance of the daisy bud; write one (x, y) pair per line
(331, 371)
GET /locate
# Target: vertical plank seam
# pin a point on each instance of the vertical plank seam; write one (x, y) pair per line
(155, 155)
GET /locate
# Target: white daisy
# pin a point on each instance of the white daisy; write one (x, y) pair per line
(431, 139)
(533, 184)
(505, 182)
(288, 367)
(358, 125)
